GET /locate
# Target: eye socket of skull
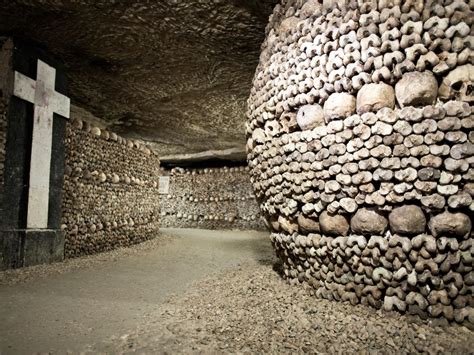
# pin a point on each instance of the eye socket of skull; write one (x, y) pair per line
(469, 88)
(457, 86)
(463, 91)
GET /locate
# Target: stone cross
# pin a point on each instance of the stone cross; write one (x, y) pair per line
(41, 93)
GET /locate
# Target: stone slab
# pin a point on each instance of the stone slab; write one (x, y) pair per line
(14, 199)
(18, 146)
(29, 247)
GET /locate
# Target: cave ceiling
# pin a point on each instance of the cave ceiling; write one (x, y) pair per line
(175, 73)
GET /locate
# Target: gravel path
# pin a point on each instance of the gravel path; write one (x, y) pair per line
(252, 310)
(196, 291)
(22, 275)
(61, 307)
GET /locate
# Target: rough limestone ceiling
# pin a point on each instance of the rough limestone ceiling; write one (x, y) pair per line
(173, 72)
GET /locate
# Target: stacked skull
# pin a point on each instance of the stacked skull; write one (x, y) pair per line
(360, 145)
(110, 194)
(210, 198)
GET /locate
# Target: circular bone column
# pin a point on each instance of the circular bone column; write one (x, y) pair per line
(360, 143)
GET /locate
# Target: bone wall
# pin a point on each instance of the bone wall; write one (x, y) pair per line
(110, 191)
(360, 145)
(210, 198)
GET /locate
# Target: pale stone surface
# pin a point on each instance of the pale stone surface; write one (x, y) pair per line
(258, 136)
(408, 219)
(310, 116)
(348, 204)
(460, 151)
(368, 221)
(373, 97)
(333, 224)
(46, 102)
(381, 128)
(458, 84)
(308, 225)
(416, 89)
(339, 106)
(435, 201)
(450, 224)
(459, 200)
(287, 225)
(207, 53)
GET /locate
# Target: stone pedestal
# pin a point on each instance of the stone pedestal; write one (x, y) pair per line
(20, 245)
(31, 247)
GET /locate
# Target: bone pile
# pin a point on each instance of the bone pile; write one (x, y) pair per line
(110, 195)
(210, 198)
(3, 139)
(360, 145)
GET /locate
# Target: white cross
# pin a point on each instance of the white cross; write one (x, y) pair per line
(46, 102)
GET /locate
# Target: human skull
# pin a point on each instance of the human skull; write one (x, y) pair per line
(288, 122)
(458, 84)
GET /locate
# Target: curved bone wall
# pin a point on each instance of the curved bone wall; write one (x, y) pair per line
(360, 144)
(210, 198)
(110, 197)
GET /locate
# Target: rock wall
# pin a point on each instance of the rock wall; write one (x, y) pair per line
(360, 145)
(3, 138)
(5, 54)
(110, 191)
(210, 198)
(203, 87)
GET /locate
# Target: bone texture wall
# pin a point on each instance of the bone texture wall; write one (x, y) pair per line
(210, 198)
(110, 191)
(360, 145)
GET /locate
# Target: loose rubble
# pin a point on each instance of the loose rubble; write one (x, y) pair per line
(253, 311)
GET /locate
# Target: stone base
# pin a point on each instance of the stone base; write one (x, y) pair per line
(21, 248)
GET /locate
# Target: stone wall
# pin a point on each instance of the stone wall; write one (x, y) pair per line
(110, 191)
(360, 145)
(210, 198)
(3, 138)
(5, 53)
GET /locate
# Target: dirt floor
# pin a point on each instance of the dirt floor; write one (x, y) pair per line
(197, 291)
(65, 306)
(251, 310)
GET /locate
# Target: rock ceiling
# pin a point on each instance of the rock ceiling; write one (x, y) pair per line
(176, 72)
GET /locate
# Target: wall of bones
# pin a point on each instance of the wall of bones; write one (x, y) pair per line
(210, 198)
(360, 144)
(110, 191)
